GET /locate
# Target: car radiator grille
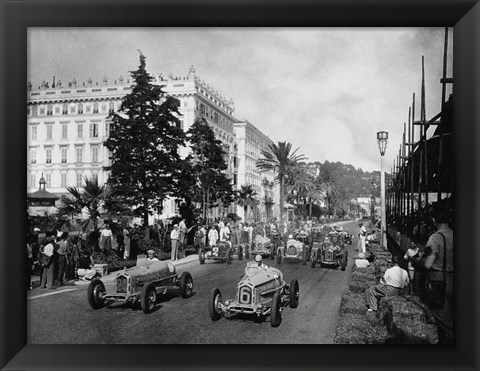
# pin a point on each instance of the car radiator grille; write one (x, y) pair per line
(291, 250)
(329, 255)
(121, 285)
(245, 295)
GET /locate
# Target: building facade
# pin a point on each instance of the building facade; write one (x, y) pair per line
(251, 142)
(68, 125)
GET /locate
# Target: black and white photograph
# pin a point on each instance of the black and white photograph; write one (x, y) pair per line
(206, 185)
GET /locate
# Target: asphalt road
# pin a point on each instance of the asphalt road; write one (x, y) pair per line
(63, 316)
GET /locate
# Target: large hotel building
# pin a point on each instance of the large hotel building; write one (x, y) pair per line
(67, 127)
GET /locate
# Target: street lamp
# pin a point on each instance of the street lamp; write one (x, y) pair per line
(382, 140)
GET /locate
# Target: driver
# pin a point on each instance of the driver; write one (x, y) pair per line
(290, 239)
(259, 259)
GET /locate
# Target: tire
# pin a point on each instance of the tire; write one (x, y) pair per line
(240, 252)
(294, 294)
(95, 289)
(304, 260)
(276, 315)
(344, 260)
(148, 298)
(247, 253)
(279, 258)
(186, 285)
(201, 256)
(313, 260)
(215, 298)
(229, 256)
(308, 254)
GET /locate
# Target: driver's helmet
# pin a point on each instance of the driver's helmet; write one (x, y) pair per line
(290, 236)
(258, 258)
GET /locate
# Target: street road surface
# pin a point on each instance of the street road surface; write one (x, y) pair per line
(63, 316)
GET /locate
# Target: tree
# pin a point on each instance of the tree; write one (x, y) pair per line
(97, 202)
(209, 185)
(145, 137)
(280, 159)
(246, 198)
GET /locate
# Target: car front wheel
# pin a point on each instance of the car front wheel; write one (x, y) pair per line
(148, 298)
(186, 285)
(213, 304)
(95, 293)
(294, 294)
(313, 260)
(276, 316)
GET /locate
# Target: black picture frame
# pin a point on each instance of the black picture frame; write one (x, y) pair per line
(17, 16)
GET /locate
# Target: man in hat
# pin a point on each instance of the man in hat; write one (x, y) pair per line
(391, 284)
(175, 237)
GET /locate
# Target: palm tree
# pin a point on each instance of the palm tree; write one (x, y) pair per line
(280, 159)
(98, 202)
(246, 197)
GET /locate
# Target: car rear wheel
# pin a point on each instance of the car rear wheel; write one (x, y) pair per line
(279, 258)
(294, 294)
(240, 252)
(229, 256)
(186, 285)
(313, 260)
(213, 304)
(148, 298)
(95, 293)
(344, 260)
(276, 316)
(304, 262)
(201, 256)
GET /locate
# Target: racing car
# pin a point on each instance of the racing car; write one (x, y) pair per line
(260, 293)
(331, 252)
(294, 249)
(221, 251)
(142, 283)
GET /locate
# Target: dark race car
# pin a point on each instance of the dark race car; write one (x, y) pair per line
(220, 252)
(331, 252)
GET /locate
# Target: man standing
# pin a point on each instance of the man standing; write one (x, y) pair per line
(439, 257)
(47, 273)
(362, 236)
(391, 284)
(183, 232)
(62, 258)
(175, 236)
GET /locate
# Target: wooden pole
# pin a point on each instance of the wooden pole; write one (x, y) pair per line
(424, 129)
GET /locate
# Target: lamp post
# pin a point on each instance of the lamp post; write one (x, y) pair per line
(382, 139)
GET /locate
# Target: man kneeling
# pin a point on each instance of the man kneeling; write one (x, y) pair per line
(391, 284)
(85, 263)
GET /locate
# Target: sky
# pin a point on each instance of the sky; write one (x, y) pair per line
(328, 91)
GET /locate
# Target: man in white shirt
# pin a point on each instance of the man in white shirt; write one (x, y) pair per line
(392, 284)
(47, 273)
(175, 236)
(183, 231)
(360, 261)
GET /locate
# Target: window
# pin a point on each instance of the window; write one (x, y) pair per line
(63, 180)
(64, 155)
(49, 131)
(202, 109)
(33, 180)
(107, 129)
(33, 155)
(95, 154)
(49, 110)
(79, 131)
(34, 110)
(64, 131)
(215, 117)
(80, 108)
(48, 155)
(34, 132)
(111, 107)
(79, 153)
(65, 109)
(95, 107)
(79, 179)
(181, 124)
(48, 180)
(93, 130)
